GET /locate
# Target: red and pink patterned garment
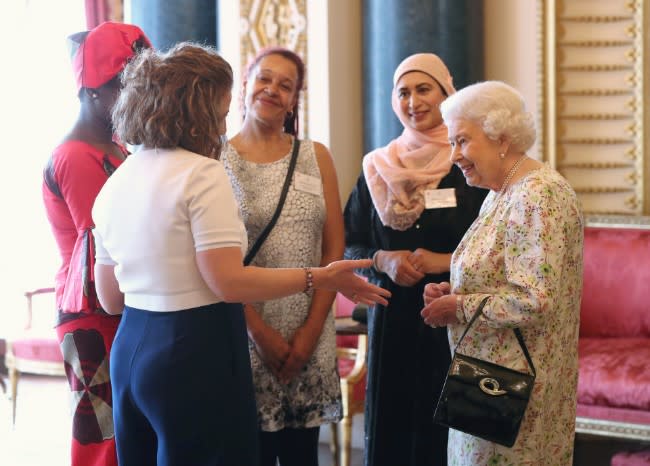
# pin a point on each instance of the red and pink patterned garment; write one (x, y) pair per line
(74, 175)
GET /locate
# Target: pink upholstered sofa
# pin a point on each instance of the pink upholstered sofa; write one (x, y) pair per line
(614, 345)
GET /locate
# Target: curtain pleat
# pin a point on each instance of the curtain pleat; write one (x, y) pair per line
(98, 11)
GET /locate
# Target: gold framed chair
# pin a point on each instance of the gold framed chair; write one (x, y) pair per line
(351, 353)
(36, 349)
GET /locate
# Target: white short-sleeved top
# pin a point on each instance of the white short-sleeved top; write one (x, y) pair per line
(153, 215)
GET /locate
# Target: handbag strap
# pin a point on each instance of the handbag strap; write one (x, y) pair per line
(520, 337)
(283, 195)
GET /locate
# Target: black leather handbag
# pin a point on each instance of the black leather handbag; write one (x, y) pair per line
(484, 399)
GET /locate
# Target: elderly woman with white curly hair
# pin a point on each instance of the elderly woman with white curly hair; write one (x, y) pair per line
(523, 252)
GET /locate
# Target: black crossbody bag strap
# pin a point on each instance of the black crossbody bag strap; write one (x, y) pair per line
(283, 196)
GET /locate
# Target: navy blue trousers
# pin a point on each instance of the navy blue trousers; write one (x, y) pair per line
(182, 388)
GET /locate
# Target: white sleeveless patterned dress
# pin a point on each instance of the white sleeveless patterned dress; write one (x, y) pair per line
(312, 398)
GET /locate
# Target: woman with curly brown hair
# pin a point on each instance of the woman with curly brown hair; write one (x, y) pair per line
(169, 244)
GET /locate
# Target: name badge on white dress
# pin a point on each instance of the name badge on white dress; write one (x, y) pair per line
(439, 198)
(307, 183)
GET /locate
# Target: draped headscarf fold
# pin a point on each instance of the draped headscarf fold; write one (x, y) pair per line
(398, 174)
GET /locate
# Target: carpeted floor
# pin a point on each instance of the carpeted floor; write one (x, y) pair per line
(42, 431)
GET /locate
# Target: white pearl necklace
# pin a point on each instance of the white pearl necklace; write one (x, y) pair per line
(511, 173)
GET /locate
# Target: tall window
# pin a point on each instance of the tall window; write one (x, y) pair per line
(39, 105)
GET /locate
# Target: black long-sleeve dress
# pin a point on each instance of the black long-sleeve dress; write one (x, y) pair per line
(407, 360)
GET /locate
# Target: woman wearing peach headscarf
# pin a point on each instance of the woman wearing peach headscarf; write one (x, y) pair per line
(408, 211)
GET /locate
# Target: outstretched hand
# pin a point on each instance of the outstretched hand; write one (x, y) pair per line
(339, 276)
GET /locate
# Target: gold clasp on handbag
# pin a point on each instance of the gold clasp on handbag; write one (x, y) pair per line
(491, 386)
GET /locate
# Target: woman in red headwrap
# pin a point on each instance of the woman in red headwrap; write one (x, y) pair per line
(75, 173)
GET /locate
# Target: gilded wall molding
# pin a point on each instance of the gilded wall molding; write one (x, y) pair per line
(594, 70)
(623, 430)
(266, 23)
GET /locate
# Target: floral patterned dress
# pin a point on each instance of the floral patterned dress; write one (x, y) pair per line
(525, 252)
(312, 398)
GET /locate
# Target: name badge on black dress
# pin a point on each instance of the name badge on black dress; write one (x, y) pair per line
(439, 198)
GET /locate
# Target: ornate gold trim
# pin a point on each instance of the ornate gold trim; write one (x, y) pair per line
(601, 189)
(595, 43)
(540, 89)
(596, 19)
(548, 75)
(595, 92)
(630, 154)
(624, 430)
(559, 66)
(596, 141)
(595, 67)
(618, 221)
(644, 74)
(594, 165)
(595, 116)
(616, 213)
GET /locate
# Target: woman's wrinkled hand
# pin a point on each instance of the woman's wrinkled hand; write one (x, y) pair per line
(440, 306)
(435, 291)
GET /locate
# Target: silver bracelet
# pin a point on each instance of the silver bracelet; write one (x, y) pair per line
(309, 280)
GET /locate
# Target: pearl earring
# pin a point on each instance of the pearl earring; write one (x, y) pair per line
(502, 155)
